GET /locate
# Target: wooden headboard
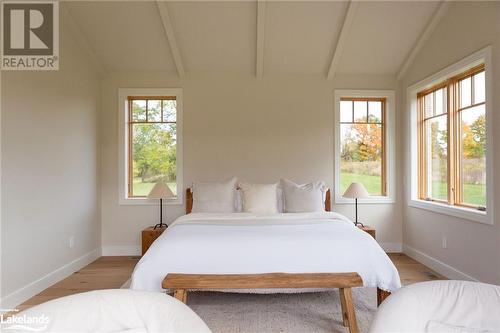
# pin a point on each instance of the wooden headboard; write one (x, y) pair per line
(189, 201)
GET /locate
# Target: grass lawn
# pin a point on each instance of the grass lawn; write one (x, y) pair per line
(372, 183)
(141, 188)
(473, 193)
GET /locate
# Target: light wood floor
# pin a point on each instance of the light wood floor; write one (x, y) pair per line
(113, 272)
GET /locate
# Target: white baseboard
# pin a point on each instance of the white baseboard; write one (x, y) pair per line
(127, 250)
(22, 294)
(392, 247)
(437, 265)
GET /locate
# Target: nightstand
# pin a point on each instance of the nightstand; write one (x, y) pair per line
(368, 229)
(149, 235)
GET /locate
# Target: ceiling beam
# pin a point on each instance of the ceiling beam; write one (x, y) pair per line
(82, 41)
(344, 33)
(261, 35)
(424, 37)
(169, 32)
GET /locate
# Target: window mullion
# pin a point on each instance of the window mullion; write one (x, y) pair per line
(422, 181)
(454, 144)
(129, 151)
(384, 152)
(451, 142)
(458, 150)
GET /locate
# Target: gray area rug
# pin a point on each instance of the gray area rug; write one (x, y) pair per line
(306, 312)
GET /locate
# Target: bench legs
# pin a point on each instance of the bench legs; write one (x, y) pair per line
(348, 313)
(381, 296)
(181, 295)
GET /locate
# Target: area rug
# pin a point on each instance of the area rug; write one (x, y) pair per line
(305, 312)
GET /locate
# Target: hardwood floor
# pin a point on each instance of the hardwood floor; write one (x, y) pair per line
(104, 273)
(411, 271)
(113, 272)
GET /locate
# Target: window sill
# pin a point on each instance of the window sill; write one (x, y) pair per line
(339, 200)
(149, 202)
(461, 212)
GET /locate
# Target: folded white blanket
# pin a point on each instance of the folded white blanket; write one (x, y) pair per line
(242, 243)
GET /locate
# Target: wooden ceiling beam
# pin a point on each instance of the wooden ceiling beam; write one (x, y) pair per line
(261, 36)
(341, 41)
(169, 33)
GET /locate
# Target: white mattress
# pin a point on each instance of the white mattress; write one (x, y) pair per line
(242, 243)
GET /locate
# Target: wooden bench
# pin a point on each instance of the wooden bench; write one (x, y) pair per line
(181, 283)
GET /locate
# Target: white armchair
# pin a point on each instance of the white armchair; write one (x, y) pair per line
(440, 306)
(115, 310)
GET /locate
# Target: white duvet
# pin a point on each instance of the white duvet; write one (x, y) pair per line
(242, 243)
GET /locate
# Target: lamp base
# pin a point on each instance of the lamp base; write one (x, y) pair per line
(358, 224)
(160, 225)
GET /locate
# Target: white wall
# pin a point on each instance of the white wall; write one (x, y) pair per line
(473, 248)
(257, 129)
(50, 173)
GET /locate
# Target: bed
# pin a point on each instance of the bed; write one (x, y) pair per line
(243, 243)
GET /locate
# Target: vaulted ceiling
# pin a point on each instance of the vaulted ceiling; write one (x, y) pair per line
(255, 37)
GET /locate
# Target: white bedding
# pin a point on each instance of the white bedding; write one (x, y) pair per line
(242, 243)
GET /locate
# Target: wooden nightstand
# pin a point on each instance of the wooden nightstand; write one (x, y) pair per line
(368, 229)
(149, 235)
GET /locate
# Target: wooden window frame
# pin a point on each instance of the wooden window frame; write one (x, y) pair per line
(453, 109)
(383, 157)
(130, 134)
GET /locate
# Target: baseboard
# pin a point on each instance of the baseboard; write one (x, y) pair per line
(392, 247)
(22, 294)
(437, 265)
(127, 250)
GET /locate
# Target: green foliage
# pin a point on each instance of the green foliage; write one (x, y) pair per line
(154, 152)
(363, 142)
(474, 138)
(439, 142)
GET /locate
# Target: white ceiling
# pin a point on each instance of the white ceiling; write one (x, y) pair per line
(299, 37)
(215, 36)
(383, 34)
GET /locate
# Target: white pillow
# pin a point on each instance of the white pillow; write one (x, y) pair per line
(214, 197)
(303, 198)
(259, 198)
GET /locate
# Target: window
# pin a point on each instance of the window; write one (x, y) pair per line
(151, 138)
(152, 143)
(452, 140)
(363, 151)
(362, 144)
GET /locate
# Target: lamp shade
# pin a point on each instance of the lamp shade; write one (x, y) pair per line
(161, 191)
(356, 191)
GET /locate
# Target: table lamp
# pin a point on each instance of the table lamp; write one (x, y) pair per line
(161, 191)
(356, 191)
